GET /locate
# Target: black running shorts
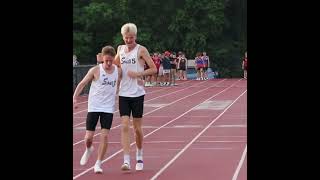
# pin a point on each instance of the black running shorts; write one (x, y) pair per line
(134, 105)
(92, 120)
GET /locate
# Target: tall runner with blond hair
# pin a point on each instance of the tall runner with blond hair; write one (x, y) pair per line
(132, 57)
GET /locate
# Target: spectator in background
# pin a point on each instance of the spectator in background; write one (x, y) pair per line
(173, 71)
(166, 68)
(160, 71)
(157, 61)
(99, 58)
(199, 65)
(75, 61)
(245, 65)
(206, 64)
(182, 66)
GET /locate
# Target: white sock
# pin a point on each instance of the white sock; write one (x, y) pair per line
(126, 158)
(98, 162)
(90, 148)
(139, 154)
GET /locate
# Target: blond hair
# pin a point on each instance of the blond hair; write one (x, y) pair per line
(129, 28)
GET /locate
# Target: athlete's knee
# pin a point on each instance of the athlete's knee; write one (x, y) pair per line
(125, 127)
(89, 135)
(104, 136)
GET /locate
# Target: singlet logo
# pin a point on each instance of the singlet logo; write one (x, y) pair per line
(128, 61)
(110, 83)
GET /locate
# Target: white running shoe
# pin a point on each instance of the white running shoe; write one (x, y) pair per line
(97, 169)
(86, 155)
(125, 167)
(139, 165)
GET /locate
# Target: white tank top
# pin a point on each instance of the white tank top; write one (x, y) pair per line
(102, 92)
(129, 87)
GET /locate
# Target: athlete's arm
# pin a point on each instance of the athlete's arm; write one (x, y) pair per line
(88, 78)
(119, 79)
(117, 57)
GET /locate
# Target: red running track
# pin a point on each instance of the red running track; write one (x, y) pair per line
(196, 130)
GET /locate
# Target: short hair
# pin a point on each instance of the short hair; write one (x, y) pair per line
(108, 50)
(128, 28)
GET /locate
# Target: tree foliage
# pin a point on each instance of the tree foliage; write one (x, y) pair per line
(215, 26)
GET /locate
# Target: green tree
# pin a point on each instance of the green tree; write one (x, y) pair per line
(218, 27)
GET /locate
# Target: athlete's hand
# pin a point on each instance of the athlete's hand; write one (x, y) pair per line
(137, 75)
(140, 82)
(134, 74)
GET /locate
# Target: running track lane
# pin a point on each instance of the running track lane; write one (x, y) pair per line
(163, 129)
(116, 137)
(215, 152)
(80, 131)
(80, 136)
(80, 115)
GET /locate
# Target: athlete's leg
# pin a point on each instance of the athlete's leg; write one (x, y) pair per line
(91, 122)
(137, 112)
(137, 125)
(102, 150)
(125, 140)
